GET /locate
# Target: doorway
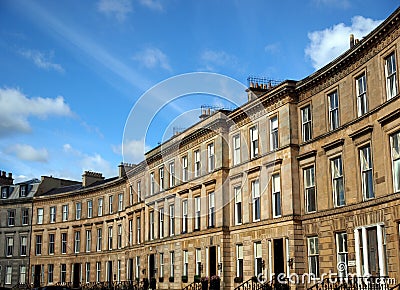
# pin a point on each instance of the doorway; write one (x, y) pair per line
(36, 276)
(372, 244)
(152, 267)
(279, 260)
(77, 275)
(213, 260)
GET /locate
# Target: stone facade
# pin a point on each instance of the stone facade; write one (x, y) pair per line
(15, 229)
(303, 178)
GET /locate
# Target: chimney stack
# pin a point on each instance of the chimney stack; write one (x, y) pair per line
(6, 180)
(89, 177)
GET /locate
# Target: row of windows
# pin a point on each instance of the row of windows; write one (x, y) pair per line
(161, 183)
(361, 95)
(7, 190)
(12, 219)
(337, 176)
(9, 274)
(78, 209)
(77, 247)
(10, 249)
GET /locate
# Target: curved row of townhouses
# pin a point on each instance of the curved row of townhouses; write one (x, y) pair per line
(303, 178)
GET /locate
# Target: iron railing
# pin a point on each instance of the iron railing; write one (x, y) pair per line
(354, 283)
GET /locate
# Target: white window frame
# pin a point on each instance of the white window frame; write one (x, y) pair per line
(9, 246)
(197, 213)
(185, 173)
(151, 225)
(197, 164)
(172, 264)
(120, 201)
(119, 236)
(236, 149)
(253, 142)
(337, 176)
(40, 216)
(211, 157)
(172, 174)
(53, 214)
(161, 274)
(88, 240)
(276, 195)
(366, 167)
(110, 204)
(306, 123)
(161, 177)
(333, 103)
(100, 206)
(77, 243)
(342, 254)
(23, 245)
(110, 237)
(237, 191)
(313, 255)
(395, 155)
(78, 210)
(50, 273)
(257, 258)
(161, 222)
(8, 279)
(185, 216)
(139, 191)
(89, 208)
(256, 200)
(171, 220)
(391, 76)
(211, 209)
(87, 272)
(25, 216)
(361, 91)
(130, 195)
(152, 183)
(64, 243)
(52, 238)
(310, 188)
(198, 262)
(185, 263)
(130, 228)
(138, 230)
(239, 261)
(274, 133)
(98, 271)
(99, 240)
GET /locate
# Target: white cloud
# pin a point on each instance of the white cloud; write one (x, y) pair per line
(15, 108)
(152, 4)
(214, 59)
(28, 153)
(115, 8)
(327, 44)
(94, 162)
(42, 60)
(152, 57)
(132, 151)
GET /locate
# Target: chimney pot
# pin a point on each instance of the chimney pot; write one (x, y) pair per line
(351, 40)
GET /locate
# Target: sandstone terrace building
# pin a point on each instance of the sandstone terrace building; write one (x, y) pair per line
(303, 176)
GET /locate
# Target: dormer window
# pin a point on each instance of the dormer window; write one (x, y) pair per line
(23, 190)
(4, 191)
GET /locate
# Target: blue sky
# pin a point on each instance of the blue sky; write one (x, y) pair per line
(71, 71)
